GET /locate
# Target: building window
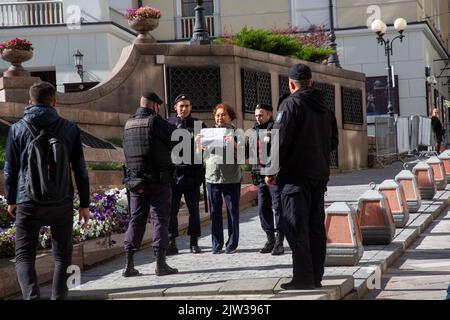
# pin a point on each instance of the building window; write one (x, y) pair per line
(188, 7)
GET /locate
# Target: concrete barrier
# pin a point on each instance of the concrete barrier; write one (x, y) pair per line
(397, 202)
(344, 239)
(375, 218)
(445, 158)
(411, 191)
(425, 180)
(440, 180)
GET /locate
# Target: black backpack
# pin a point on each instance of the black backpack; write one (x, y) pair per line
(48, 177)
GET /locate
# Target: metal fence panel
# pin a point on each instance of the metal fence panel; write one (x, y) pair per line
(426, 134)
(403, 134)
(415, 132)
(385, 136)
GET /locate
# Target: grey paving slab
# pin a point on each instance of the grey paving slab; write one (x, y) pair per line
(247, 273)
(423, 271)
(249, 286)
(331, 292)
(137, 294)
(202, 289)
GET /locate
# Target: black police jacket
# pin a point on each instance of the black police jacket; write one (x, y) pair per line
(258, 147)
(16, 164)
(191, 171)
(307, 135)
(147, 147)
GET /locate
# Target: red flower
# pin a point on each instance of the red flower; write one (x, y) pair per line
(18, 44)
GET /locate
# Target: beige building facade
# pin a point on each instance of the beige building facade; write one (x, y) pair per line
(420, 62)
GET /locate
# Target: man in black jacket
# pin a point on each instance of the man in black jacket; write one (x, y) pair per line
(269, 197)
(31, 216)
(307, 135)
(189, 177)
(147, 147)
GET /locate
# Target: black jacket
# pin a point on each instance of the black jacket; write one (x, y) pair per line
(190, 171)
(258, 147)
(16, 163)
(436, 124)
(308, 133)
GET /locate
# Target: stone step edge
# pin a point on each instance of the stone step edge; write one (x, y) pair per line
(362, 289)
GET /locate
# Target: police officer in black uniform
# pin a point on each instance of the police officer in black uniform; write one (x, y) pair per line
(147, 146)
(269, 197)
(307, 135)
(189, 177)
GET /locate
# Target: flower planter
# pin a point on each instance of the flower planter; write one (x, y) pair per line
(143, 27)
(16, 58)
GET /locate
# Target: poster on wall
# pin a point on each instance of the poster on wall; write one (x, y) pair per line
(377, 97)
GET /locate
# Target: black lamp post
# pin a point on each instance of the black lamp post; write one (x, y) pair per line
(200, 35)
(334, 58)
(379, 27)
(79, 64)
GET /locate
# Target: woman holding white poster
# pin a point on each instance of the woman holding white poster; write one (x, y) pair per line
(223, 176)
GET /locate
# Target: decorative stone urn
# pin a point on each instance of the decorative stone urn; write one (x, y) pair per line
(16, 57)
(144, 26)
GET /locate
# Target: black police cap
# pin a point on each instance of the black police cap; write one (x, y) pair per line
(181, 97)
(300, 72)
(150, 95)
(264, 106)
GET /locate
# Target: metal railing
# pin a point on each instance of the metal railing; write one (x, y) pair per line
(187, 26)
(401, 136)
(31, 13)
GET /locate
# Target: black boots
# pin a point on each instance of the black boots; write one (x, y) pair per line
(172, 248)
(278, 248)
(274, 244)
(130, 271)
(268, 247)
(162, 268)
(194, 245)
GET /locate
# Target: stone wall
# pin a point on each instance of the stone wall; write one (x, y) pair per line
(141, 67)
(104, 109)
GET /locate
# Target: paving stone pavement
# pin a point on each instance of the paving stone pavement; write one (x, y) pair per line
(247, 274)
(423, 271)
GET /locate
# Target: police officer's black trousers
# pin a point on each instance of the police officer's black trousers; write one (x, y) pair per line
(29, 220)
(269, 207)
(191, 194)
(303, 225)
(155, 200)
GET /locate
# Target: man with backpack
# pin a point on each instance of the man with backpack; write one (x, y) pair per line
(41, 150)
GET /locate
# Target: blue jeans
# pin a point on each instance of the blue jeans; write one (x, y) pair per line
(232, 194)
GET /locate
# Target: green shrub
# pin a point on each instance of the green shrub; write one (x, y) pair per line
(266, 41)
(116, 141)
(314, 54)
(104, 166)
(280, 43)
(2, 151)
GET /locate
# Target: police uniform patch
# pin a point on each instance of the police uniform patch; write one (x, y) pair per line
(137, 123)
(279, 116)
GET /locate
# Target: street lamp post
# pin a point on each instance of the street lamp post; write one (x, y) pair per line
(333, 59)
(379, 27)
(79, 64)
(200, 35)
